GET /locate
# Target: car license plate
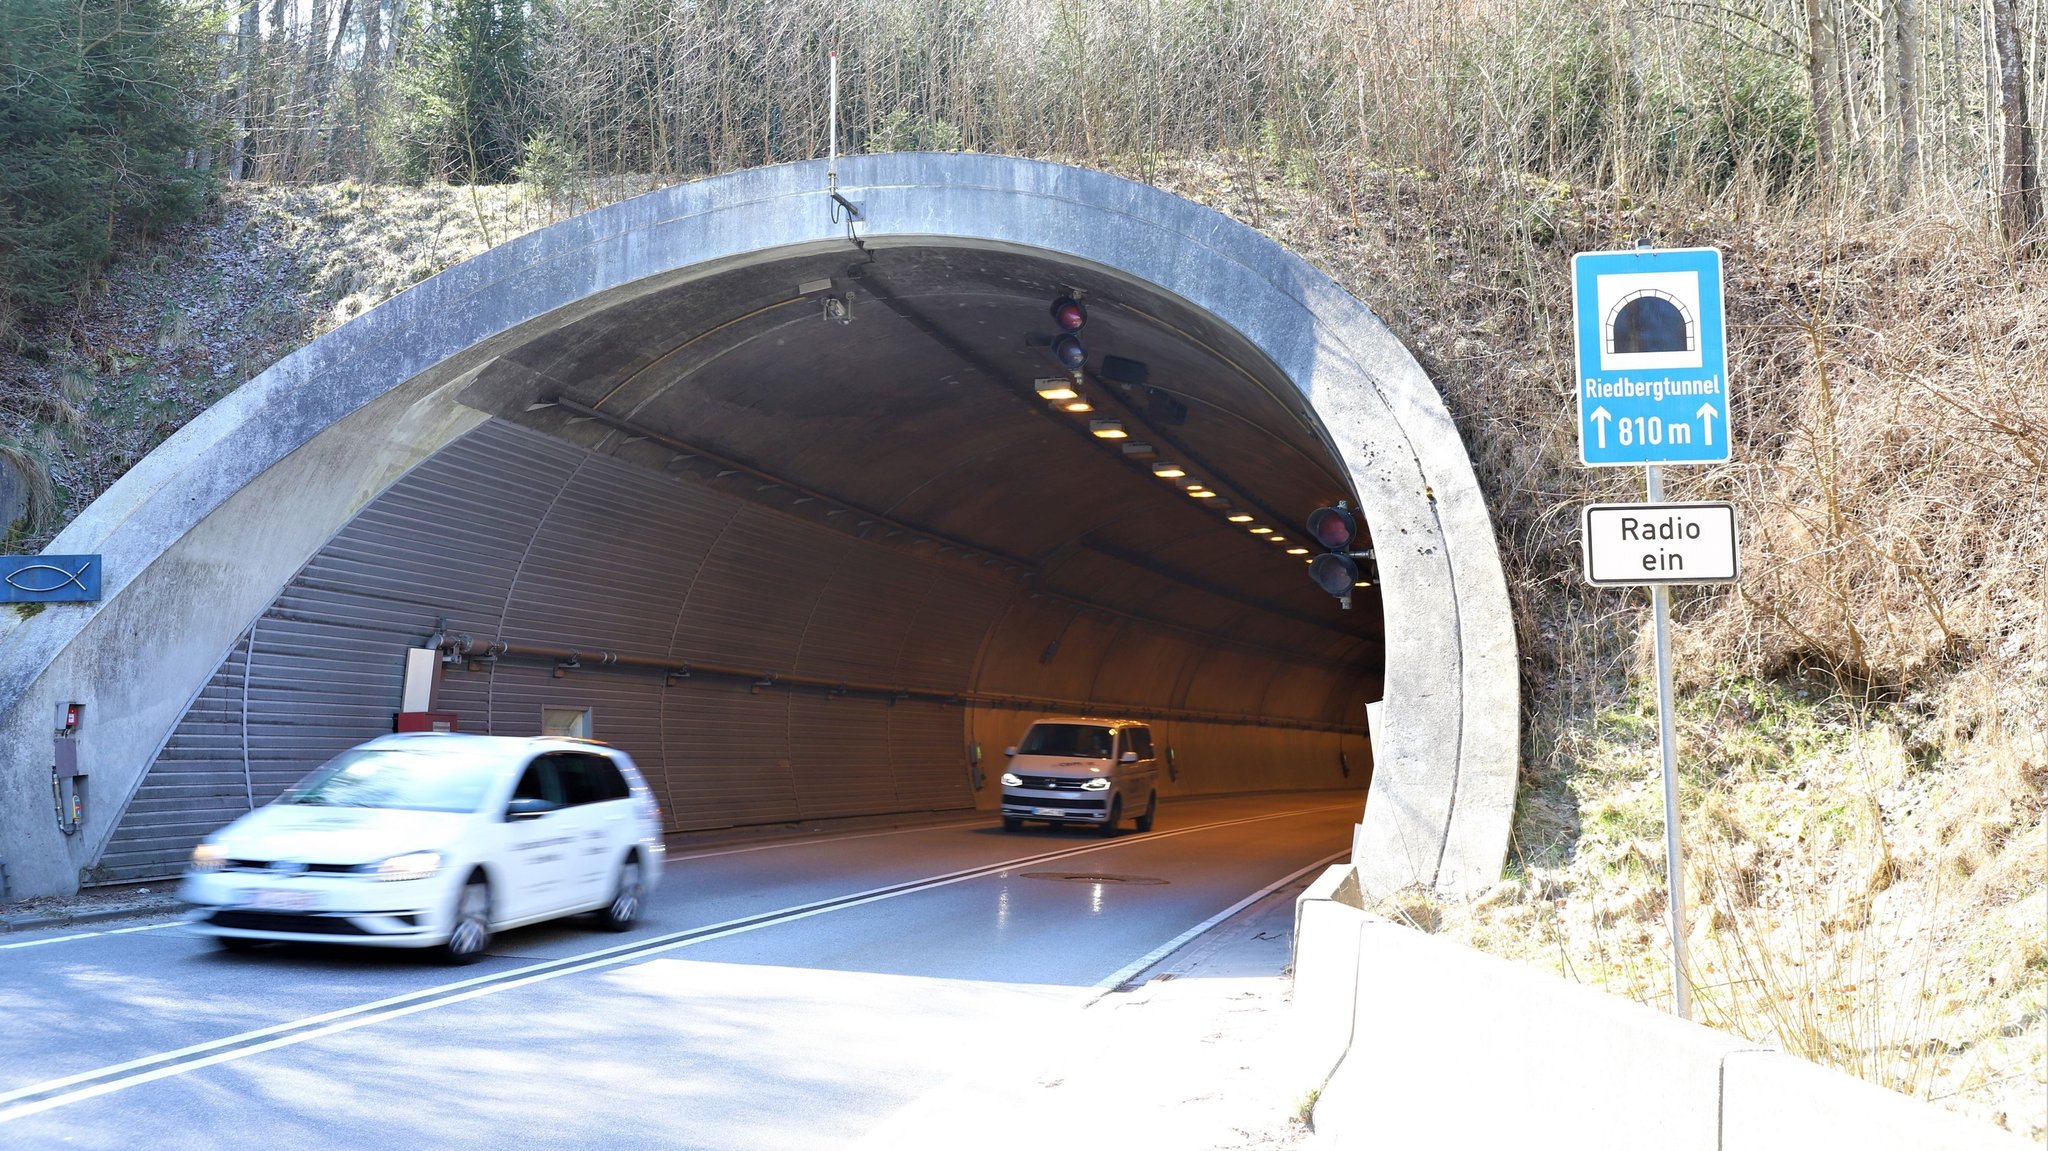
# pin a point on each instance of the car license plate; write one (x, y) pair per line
(281, 900)
(1048, 811)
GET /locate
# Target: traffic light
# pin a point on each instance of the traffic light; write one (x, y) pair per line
(1070, 316)
(1337, 570)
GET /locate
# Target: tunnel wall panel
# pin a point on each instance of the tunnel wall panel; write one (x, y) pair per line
(508, 535)
(727, 756)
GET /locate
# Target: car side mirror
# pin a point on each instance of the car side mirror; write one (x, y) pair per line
(1130, 757)
(1011, 752)
(527, 807)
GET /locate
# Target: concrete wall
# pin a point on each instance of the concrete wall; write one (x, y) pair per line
(1437, 1045)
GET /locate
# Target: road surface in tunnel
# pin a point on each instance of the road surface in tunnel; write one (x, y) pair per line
(793, 993)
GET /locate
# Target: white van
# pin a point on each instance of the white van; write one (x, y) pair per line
(1070, 769)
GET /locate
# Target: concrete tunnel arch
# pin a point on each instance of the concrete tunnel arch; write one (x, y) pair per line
(217, 526)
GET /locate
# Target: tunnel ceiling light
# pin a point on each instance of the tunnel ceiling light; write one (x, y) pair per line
(1297, 551)
(1201, 493)
(1276, 539)
(1107, 429)
(1262, 531)
(1136, 450)
(1242, 518)
(1168, 471)
(1077, 404)
(1054, 389)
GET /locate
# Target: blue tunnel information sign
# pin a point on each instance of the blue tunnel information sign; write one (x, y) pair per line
(1652, 357)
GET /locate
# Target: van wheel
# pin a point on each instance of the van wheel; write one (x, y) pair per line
(1151, 809)
(1116, 816)
(1012, 823)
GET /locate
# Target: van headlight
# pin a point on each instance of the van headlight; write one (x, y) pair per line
(1096, 784)
(209, 857)
(412, 865)
(1010, 779)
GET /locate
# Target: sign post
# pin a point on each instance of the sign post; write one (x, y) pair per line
(1652, 389)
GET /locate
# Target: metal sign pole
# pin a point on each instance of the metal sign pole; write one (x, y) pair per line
(1667, 745)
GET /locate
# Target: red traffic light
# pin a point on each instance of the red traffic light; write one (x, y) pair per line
(1334, 572)
(1068, 313)
(1333, 528)
(1069, 352)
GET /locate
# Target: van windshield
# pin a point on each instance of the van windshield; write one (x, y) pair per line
(1077, 739)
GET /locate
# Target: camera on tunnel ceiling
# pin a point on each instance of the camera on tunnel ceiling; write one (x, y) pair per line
(839, 309)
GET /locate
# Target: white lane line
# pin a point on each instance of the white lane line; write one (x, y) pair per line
(150, 1068)
(1133, 969)
(88, 934)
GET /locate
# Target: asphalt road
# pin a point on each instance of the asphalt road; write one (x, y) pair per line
(789, 994)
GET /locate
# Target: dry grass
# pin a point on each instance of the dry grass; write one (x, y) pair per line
(1864, 769)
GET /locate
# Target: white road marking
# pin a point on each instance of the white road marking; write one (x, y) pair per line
(88, 934)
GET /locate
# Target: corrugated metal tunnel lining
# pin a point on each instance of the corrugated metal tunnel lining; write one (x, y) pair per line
(799, 564)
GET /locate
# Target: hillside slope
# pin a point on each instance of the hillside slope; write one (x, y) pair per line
(1861, 744)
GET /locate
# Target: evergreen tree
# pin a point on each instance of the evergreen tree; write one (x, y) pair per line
(470, 88)
(97, 127)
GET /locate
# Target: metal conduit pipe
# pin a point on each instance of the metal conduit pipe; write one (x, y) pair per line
(458, 649)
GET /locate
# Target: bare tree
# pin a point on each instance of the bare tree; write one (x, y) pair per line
(2019, 191)
(1820, 65)
(1906, 63)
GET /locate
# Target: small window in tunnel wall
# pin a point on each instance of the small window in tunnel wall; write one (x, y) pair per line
(573, 722)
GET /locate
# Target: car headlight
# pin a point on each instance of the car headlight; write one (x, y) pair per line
(209, 857)
(412, 865)
(1010, 779)
(1096, 784)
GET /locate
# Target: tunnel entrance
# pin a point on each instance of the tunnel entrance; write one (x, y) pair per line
(810, 515)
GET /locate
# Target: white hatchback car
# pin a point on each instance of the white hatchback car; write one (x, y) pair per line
(434, 840)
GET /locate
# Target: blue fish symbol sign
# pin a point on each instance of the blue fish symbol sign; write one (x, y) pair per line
(49, 579)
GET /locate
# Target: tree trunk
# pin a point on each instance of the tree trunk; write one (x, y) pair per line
(2019, 193)
(1820, 63)
(245, 58)
(1906, 61)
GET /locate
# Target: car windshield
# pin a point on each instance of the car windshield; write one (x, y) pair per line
(1077, 739)
(414, 779)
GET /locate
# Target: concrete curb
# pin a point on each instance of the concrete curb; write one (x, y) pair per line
(35, 920)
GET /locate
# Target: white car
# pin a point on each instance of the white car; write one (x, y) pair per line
(434, 840)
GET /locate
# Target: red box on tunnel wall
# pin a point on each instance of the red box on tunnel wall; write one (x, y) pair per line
(424, 721)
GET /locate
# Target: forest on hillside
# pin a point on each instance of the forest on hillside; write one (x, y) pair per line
(1865, 788)
(123, 115)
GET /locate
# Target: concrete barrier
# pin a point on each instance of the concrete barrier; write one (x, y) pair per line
(1449, 1047)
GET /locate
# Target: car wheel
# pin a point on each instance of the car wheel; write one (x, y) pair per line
(1012, 823)
(237, 944)
(1151, 809)
(470, 935)
(1116, 815)
(624, 909)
